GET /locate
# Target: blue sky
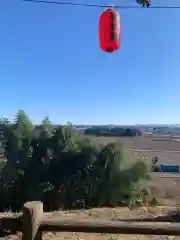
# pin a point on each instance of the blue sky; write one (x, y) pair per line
(51, 64)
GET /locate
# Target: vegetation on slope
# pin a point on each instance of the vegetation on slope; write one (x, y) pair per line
(64, 170)
(113, 131)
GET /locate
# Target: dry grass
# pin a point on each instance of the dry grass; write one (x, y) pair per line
(111, 214)
(103, 214)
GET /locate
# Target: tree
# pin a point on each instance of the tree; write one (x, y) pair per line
(22, 126)
(64, 169)
(47, 125)
(144, 3)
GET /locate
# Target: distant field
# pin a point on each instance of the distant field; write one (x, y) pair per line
(149, 147)
(145, 143)
(162, 185)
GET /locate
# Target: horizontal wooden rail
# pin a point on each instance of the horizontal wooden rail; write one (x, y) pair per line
(33, 222)
(117, 227)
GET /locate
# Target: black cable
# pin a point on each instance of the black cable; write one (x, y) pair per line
(65, 3)
(99, 6)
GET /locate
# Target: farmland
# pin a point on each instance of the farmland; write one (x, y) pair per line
(168, 150)
(163, 186)
(145, 143)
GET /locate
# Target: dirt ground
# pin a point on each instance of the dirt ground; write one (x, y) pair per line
(109, 214)
(114, 214)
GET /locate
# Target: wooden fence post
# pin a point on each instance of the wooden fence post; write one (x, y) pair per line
(31, 218)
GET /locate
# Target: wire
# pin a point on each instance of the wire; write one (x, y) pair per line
(99, 6)
(65, 3)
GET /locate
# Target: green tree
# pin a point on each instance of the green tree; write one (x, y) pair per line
(144, 3)
(22, 126)
(47, 125)
(64, 169)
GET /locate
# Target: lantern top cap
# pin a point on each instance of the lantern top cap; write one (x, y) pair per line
(110, 7)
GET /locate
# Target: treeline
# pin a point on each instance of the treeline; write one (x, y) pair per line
(64, 169)
(113, 131)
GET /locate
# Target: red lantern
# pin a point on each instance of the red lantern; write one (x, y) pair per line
(109, 30)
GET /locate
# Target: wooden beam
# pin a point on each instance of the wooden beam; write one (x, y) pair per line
(116, 227)
(31, 219)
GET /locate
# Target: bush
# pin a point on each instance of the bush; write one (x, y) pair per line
(60, 168)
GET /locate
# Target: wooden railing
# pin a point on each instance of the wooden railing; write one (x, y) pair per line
(33, 221)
